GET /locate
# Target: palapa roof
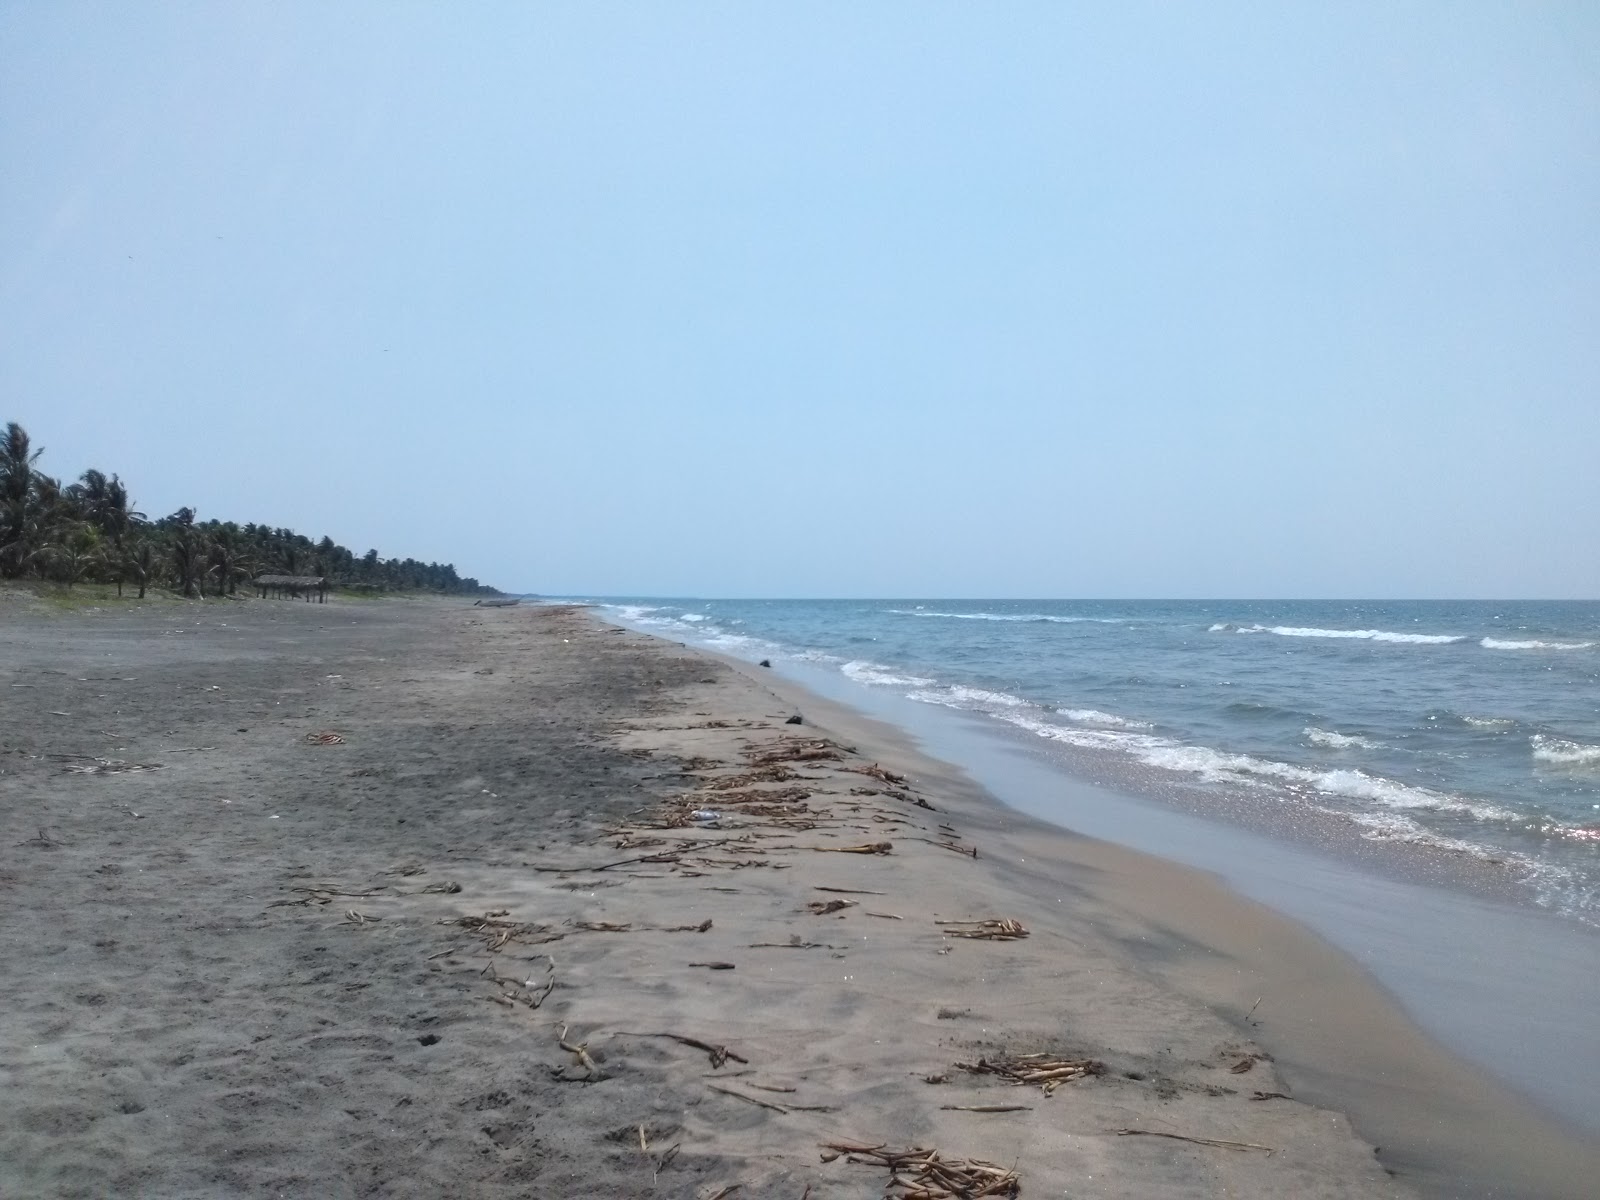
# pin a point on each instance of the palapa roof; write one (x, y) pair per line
(290, 580)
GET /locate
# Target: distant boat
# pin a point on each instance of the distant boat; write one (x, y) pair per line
(498, 602)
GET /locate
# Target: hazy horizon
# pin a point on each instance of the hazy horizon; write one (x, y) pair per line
(827, 301)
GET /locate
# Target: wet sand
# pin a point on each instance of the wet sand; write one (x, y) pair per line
(457, 952)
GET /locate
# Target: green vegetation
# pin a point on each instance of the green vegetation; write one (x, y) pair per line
(89, 533)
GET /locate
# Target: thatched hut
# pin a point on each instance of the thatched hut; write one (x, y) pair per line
(293, 587)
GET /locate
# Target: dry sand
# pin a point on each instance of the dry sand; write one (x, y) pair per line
(481, 948)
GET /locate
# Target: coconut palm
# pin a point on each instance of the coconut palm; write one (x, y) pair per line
(139, 560)
(228, 558)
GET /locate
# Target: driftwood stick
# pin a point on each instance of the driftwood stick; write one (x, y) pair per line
(1198, 1141)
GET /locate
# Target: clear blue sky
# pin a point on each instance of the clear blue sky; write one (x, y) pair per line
(827, 299)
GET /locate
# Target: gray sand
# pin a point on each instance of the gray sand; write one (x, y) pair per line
(230, 976)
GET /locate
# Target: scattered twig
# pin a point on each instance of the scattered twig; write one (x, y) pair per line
(849, 891)
(1198, 1141)
(865, 848)
(918, 1174)
(714, 966)
(986, 1108)
(1047, 1070)
(719, 1054)
(757, 1101)
(991, 929)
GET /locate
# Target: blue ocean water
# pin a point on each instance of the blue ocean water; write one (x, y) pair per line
(1462, 726)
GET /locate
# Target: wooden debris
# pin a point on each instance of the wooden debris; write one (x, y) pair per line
(715, 966)
(848, 891)
(985, 1108)
(111, 766)
(581, 1053)
(602, 926)
(496, 931)
(322, 896)
(865, 848)
(885, 916)
(521, 991)
(360, 918)
(794, 750)
(719, 1054)
(1048, 1070)
(1243, 1065)
(989, 929)
(918, 1174)
(774, 774)
(883, 776)
(822, 908)
(1198, 1141)
(1269, 1096)
(756, 1100)
(326, 737)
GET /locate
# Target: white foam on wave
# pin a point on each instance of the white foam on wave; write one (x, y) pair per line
(1339, 741)
(694, 617)
(1563, 752)
(1093, 716)
(1217, 766)
(1011, 617)
(1489, 643)
(970, 699)
(1371, 635)
(870, 672)
(1490, 722)
(633, 612)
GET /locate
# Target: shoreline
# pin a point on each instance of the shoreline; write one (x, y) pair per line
(1445, 1124)
(459, 950)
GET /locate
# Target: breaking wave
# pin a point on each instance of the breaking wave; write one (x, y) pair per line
(1489, 643)
(1093, 716)
(1339, 741)
(1026, 618)
(1564, 753)
(1371, 635)
(870, 672)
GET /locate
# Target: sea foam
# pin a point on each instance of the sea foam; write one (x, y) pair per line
(1371, 635)
(1563, 752)
(1501, 644)
(870, 672)
(1339, 741)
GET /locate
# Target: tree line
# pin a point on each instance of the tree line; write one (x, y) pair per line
(89, 531)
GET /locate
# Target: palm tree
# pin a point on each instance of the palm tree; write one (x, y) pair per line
(228, 561)
(76, 553)
(140, 560)
(19, 508)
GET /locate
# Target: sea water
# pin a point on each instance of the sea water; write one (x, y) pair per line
(1464, 728)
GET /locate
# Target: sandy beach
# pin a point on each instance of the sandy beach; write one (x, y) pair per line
(412, 899)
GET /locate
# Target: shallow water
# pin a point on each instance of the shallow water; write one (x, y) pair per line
(1468, 728)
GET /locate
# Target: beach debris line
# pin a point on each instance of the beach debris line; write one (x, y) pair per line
(496, 931)
(989, 929)
(789, 750)
(918, 1174)
(1049, 1071)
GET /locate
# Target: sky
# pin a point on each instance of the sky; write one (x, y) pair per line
(827, 299)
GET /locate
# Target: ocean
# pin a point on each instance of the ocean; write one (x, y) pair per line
(1459, 728)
